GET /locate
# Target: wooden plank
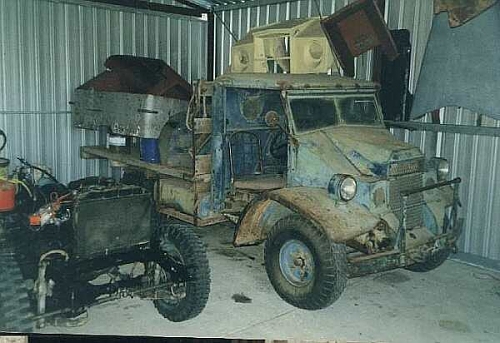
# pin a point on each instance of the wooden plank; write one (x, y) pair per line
(201, 140)
(102, 152)
(192, 219)
(13, 339)
(202, 186)
(202, 125)
(203, 164)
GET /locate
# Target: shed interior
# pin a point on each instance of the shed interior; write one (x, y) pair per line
(49, 48)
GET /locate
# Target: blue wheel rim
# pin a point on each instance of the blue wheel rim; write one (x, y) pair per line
(296, 263)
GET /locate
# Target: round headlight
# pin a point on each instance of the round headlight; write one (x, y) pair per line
(343, 187)
(348, 188)
(442, 169)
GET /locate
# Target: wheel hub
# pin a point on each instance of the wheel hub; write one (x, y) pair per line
(299, 262)
(296, 263)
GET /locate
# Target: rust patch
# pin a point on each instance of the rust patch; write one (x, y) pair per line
(461, 11)
(140, 75)
(284, 85)
(260, 182)
(248, 232)
(341, 221)
(202, 164)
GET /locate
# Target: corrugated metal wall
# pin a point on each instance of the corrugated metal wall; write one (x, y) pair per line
(48, 48)
(476, 159)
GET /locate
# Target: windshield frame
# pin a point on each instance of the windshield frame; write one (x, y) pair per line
(340, 120)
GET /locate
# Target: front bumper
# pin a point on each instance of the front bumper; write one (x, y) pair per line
(444, 241)
(402, 255)
(452, 226)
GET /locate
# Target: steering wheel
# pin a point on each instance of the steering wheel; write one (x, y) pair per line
(278, 146)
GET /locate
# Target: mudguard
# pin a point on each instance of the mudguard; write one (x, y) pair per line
(340, 220)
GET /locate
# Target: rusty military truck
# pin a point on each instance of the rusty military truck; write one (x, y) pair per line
(328, 189)
(304, 164)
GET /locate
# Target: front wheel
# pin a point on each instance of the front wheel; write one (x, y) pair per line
(187, 294)
(306, 269)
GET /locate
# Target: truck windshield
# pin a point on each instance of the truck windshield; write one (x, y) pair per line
(357, 110)
(314, 113)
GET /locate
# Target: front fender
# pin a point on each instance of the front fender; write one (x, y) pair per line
(341, 221)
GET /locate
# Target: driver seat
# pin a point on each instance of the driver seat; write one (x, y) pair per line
(247, 165)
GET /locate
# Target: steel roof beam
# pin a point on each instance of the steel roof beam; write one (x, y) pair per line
(234, 5)
(194, 11)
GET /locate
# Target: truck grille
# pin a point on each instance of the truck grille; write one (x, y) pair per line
(414, 202)
(406, 167)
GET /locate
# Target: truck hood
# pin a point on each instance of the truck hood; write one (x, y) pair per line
(369, 149)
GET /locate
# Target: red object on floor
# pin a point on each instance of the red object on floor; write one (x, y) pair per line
(7, 196)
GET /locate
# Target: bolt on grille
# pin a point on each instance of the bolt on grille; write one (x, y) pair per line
(414, 202)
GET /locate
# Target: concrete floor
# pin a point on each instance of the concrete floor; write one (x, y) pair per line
(455, 303)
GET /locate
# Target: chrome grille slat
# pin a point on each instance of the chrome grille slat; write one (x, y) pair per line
(414, 201)
(406, 167)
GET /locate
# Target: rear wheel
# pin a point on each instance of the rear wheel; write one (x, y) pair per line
(185, 296)
(15, 310)
(306, 269)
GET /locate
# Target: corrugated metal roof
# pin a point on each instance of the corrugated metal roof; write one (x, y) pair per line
(212, 3)
(218, 5)
(231, 3)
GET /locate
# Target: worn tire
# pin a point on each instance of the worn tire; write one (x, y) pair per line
(194, 256)
(15, 309)
(432, 262)
(329, 276)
